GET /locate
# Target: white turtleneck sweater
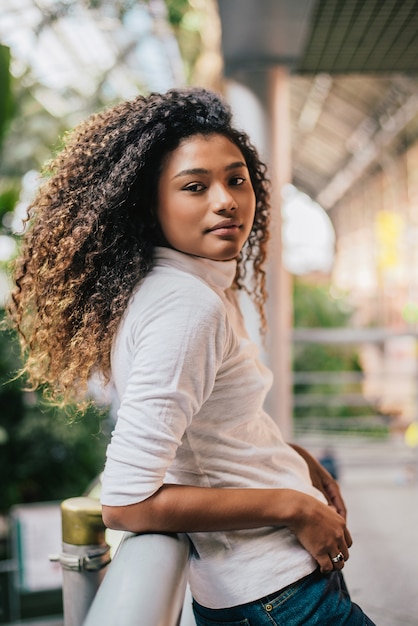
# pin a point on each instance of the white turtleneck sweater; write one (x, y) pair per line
(191, 391)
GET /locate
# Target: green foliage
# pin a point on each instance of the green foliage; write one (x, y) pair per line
(176, 11)
(315, 308)
(5, 92)
(187, 22)
(43, 456)
(9, 195)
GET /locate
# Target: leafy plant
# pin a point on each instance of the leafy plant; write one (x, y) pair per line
(315, 308)
(43, 455)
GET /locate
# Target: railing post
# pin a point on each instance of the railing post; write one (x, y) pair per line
(84, 556)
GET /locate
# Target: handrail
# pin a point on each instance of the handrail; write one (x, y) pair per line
(145, 584)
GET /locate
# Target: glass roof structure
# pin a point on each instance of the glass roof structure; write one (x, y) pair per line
(75, 54)
(70, 58)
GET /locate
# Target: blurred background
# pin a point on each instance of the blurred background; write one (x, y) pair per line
(328, 91)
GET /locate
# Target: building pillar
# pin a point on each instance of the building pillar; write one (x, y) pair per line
(279, 312)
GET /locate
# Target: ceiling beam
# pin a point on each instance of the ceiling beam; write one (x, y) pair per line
(370, 152)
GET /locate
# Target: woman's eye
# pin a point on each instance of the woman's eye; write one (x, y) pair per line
(237, 180)
(194, 187)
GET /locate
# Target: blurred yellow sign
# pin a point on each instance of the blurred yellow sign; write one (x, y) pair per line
(411, 435)
(389, 227)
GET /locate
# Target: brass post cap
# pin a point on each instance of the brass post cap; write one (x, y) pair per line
(82, 523)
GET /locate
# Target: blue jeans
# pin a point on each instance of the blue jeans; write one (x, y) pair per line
(320, 599)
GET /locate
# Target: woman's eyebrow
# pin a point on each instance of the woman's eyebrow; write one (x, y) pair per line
(235, 165)
(191, 171)
(202, 170)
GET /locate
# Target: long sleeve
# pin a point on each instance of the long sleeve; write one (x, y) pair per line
(170, 346)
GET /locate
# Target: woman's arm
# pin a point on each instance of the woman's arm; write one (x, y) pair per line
(176, 508)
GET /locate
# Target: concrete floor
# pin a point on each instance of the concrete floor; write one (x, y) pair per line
(380, 486)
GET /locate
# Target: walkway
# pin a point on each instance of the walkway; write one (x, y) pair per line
(380, 486)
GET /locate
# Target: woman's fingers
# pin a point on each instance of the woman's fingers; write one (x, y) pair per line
(348, 539)
(333, 561)
(324, 534)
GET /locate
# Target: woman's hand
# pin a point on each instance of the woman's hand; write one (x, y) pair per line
(321, 530)
(323, 481)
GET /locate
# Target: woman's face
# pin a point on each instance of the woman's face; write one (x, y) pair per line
(206, 201)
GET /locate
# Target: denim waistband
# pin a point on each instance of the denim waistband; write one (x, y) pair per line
(270, 597)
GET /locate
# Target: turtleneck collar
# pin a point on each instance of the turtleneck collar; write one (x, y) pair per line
(216, 273)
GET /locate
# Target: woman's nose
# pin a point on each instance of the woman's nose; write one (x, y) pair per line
(222, 199)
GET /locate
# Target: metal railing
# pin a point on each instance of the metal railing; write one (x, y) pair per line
(144, 584)
(334, 402)
(382, 398)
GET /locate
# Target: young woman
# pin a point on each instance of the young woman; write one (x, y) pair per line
(154, 216)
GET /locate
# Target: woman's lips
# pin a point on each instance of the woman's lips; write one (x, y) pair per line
(225, 228)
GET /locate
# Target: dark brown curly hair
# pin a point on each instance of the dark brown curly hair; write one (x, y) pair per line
(93, 230)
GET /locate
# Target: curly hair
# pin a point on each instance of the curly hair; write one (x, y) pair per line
(92, 231)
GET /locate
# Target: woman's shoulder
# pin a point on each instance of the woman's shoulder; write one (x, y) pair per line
(169, 291)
